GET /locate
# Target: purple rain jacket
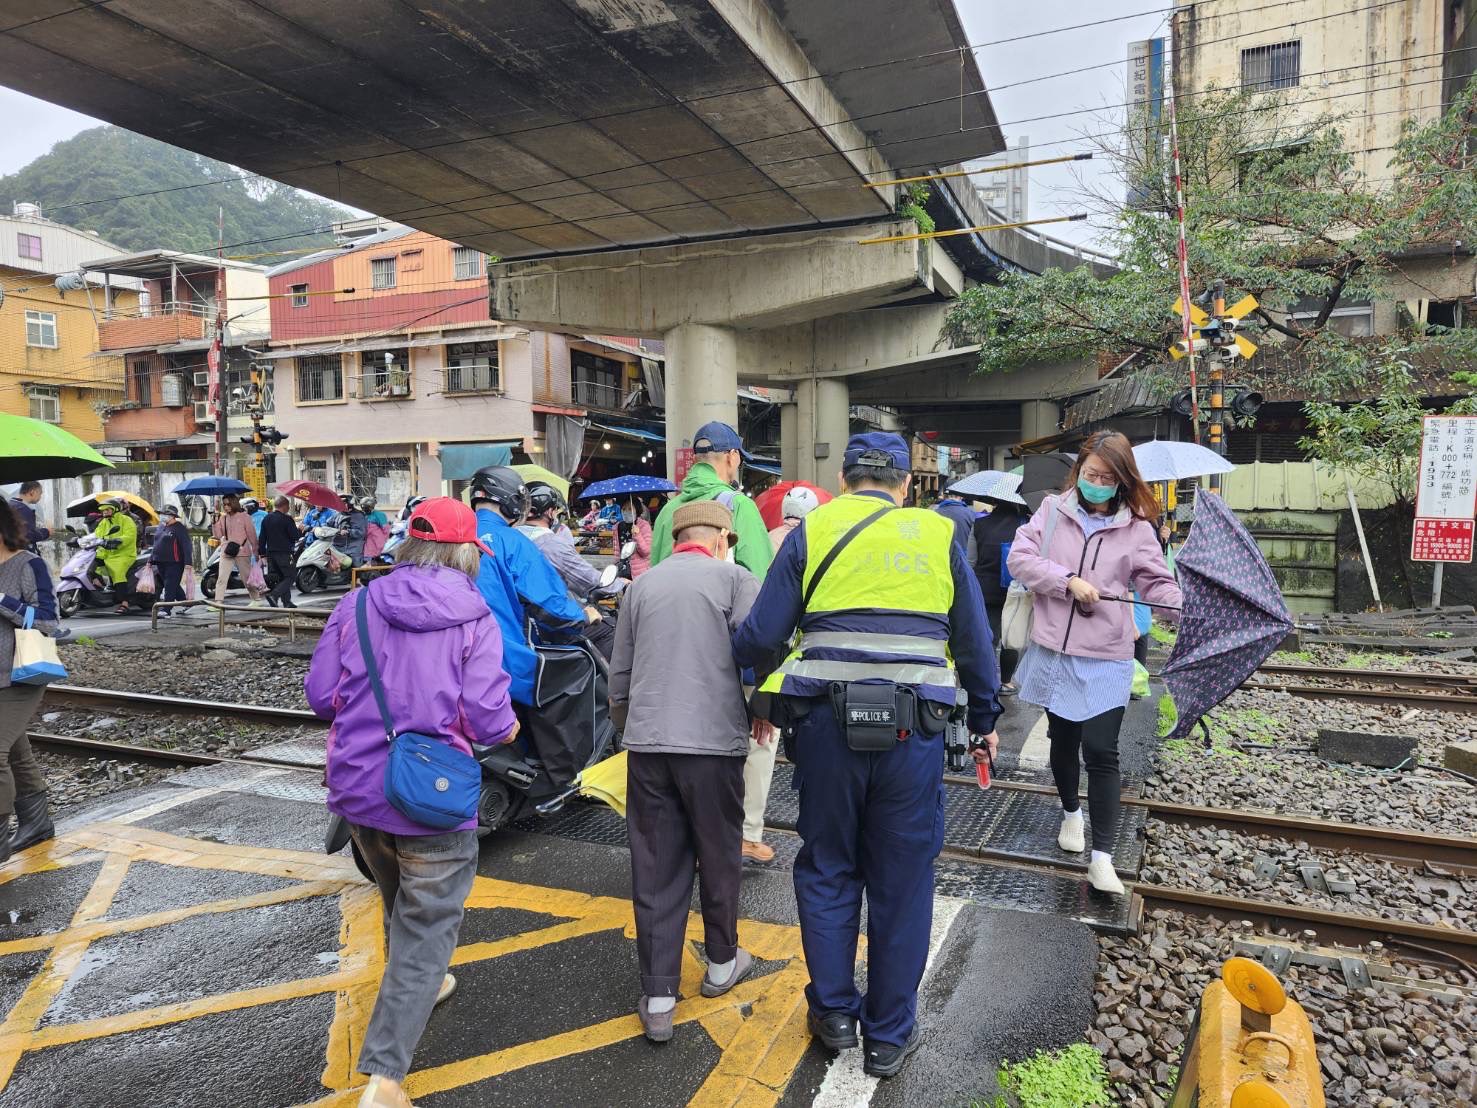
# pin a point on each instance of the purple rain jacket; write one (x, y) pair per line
(440, 657)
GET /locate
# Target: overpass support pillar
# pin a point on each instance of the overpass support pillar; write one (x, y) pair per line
(790, 441)
(821, 426)
(1039, 419)
(701, 382)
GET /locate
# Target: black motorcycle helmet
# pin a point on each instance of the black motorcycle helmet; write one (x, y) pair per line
(504, 487)
(544, 498)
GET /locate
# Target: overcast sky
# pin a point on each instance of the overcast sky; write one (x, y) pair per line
(32, 126)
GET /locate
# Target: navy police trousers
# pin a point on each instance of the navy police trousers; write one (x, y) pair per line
(873, 823)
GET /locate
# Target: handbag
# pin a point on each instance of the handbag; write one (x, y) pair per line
(1017, 616)
(36, 661)
(426, 780)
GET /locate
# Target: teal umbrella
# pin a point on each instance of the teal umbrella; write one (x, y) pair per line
(31, 450)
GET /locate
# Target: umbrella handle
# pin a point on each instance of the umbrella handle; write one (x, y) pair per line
(1146, 603)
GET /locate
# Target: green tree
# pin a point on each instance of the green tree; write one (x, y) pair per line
(140, 193)
(1275, 207)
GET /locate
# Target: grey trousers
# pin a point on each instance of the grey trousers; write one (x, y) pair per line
(681, 810)
(424, 881)
(20, 773)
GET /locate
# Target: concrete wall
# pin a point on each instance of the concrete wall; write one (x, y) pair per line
(1336, 61)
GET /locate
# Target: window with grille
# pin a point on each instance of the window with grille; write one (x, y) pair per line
(1266, 68)
(315, 470)
(46, 402)
(468, 263)
(384, 373)
(597, 381)
(320, 378)
(139, 372)
(299, 296)
(29, 246)
(387, 479)
(41, 329)
(382, 273)
(471, 367)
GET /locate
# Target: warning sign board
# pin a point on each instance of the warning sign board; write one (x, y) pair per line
(681, 464)
(1446, 492)
(256, 477)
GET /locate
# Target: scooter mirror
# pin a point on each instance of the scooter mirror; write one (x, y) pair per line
(608, 576)
(627, 550)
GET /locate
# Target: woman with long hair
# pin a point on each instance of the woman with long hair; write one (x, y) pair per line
(1081, 552)
(234, 530)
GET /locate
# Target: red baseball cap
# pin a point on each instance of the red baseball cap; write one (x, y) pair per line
(442, 519)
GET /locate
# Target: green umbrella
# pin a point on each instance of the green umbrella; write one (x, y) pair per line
(31, 450)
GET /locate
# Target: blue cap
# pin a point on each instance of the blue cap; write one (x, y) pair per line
(880, 449)
(718, 437)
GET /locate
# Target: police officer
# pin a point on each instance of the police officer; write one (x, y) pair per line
(891, 625)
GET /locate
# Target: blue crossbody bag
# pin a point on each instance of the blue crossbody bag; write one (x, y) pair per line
(426, 780)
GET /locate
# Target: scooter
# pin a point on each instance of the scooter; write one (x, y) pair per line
(398, 531)
(83, 584)
(321, 564)
(212, 571)
(623, 563)
(567, 730)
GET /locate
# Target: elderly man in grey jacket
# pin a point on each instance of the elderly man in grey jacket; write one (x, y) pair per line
(674, 680)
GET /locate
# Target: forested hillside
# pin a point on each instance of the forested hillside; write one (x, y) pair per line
(78, 181)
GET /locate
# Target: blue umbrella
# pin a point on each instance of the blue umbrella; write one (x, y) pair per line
(210, 484)
(989, 484)
(629, 485)
(1174, 461)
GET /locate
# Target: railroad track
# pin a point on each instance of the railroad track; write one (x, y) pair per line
(1412, 848)
(1446, 692)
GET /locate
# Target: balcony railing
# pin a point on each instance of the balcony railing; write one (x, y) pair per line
(592, 394)
(152, 329)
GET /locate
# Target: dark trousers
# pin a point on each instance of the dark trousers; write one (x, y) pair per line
(873, 824)
(1097, 738)
(1008, 658)
(681, 809)
(20, 773)
(167, 577)
(280, 568)
(1141, 650)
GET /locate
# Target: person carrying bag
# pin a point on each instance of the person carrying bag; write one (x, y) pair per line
(417, 644)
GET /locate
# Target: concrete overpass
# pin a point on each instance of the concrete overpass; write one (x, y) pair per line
(689, 169)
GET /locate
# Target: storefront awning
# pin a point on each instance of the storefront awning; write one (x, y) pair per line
(460, 460)
(640, 433)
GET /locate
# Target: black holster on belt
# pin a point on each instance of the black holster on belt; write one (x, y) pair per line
(876, 715)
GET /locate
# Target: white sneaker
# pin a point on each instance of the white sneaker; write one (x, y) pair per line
(1071, 837)
(1102, 877)
(448, 986)
(257, 604)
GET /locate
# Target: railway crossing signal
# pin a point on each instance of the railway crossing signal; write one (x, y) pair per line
(1216, 335)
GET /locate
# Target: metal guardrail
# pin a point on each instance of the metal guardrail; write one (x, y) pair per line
(222, 609)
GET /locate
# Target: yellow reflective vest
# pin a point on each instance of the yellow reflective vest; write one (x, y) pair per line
(898, 563)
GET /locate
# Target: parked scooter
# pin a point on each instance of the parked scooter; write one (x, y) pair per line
(83, 584)
(321, 564)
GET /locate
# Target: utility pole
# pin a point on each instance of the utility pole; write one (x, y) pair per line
(1215, 356)
(216, 358)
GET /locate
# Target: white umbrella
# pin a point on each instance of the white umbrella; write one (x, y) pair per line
(992, 484)
(1176, 461)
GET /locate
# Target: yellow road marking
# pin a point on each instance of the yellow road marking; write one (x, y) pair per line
(758, 1026)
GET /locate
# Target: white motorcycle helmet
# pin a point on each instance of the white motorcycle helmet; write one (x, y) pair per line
(798, 503)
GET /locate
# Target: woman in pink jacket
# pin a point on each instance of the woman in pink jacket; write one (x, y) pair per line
(1095, 540)
(236, 533)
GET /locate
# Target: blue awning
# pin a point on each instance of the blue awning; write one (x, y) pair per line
(763, 467)
(460, 460)
(632, 432)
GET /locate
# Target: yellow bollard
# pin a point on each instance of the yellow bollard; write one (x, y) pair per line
(1254, 1047)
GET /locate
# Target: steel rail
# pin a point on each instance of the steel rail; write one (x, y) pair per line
(76, 744)
(1347, 927)
(77, 696)
(1440, 701)
(1394, 677)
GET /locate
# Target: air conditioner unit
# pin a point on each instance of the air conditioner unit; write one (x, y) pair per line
(203, 414)
(202, 378)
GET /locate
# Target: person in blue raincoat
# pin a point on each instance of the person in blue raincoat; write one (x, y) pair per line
(517, 581)
(890, 630)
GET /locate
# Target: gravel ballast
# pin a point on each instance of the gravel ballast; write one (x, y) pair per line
(203, 672)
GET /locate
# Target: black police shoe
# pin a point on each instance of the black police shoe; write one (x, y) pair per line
(835, 1030)
(886, 1060)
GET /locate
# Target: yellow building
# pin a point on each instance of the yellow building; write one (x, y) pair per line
(49, 363)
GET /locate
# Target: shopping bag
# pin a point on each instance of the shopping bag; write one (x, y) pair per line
(145, 580)
(187, 582)
(1015, 619)
(1140, 687)
(255, 579)
(36, 661)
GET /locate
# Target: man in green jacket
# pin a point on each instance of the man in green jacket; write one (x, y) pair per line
(718, 455)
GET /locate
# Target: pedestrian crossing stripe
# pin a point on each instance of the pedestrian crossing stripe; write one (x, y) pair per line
(758, 1027)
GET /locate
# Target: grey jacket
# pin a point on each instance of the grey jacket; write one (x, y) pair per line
(25, 583)
(672, 668)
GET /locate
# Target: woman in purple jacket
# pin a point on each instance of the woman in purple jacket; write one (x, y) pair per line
(440, 658)
(1096, 539)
